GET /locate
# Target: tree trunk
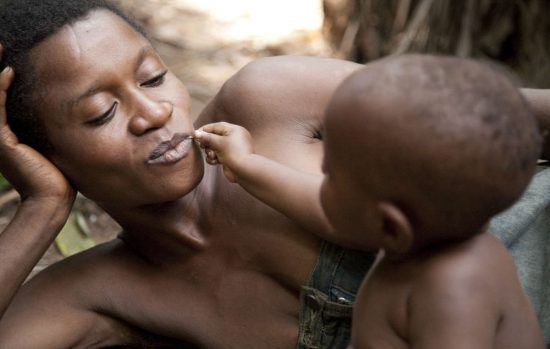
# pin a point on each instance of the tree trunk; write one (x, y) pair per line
(515, 33)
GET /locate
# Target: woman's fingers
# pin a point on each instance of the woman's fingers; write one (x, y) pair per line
(6, 77)
(30, 172)
(6, 135)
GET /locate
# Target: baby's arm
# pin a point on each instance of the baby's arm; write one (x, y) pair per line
(289, 191)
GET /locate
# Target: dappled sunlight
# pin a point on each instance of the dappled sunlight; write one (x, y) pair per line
(260, 21)
(206, 41)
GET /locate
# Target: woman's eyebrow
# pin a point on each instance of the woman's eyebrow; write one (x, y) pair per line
(89, 92)
(143, 52)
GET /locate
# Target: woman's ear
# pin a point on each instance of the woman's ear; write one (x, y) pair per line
(397, 231)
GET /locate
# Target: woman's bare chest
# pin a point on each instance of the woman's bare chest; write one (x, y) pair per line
(209, 300)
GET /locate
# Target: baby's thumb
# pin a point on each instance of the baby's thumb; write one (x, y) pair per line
(209, 140)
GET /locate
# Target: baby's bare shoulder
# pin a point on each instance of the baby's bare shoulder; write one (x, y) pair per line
(455, 292)
(479, 266)
(475, 278)
(469, 288)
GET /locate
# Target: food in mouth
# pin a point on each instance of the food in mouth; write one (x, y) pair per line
(172, 150)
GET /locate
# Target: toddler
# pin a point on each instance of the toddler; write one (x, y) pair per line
(420, 153)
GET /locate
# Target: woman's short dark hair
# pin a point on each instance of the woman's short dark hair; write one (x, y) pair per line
(23, 25)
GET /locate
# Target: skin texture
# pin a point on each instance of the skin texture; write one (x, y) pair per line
(200, 261)
(461, 293)
(455, 295)
(292, 192)
(465, 295)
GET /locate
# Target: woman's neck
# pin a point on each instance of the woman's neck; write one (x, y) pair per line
(171, 229)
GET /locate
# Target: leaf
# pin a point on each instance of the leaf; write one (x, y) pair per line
(4, 184)
(74, 236)
(82, 225)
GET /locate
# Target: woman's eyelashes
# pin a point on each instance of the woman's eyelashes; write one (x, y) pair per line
(109, 114)
(156, 81)
(103, 118)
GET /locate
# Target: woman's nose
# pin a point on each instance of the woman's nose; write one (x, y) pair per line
(152, 115)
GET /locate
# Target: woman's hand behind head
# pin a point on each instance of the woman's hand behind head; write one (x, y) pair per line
(32, 175)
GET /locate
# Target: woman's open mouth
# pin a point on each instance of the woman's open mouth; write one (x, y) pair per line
(171, 151)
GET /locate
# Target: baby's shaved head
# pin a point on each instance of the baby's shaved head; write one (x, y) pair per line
(450, 141)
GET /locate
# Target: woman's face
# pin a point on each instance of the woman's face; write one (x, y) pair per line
(108, 101)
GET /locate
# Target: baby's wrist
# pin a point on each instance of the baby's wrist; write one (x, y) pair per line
(242, 165)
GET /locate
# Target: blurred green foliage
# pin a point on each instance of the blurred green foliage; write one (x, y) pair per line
(75, 236)
(4, 184)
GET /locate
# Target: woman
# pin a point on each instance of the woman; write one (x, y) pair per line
(200, 262)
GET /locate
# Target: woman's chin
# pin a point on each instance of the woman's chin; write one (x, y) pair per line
(183, 185)
(172, 183)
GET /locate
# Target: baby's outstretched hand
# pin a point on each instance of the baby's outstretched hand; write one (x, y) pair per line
(226, 144)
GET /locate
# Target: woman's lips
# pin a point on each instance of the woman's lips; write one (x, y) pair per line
(172, 150)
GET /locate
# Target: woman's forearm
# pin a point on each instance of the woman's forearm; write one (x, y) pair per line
(24, 242)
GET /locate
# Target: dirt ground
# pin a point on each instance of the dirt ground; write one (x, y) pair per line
(204, 42)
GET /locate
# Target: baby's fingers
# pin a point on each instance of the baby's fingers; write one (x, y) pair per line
(219, 128)
(209, 140)
(211, 157)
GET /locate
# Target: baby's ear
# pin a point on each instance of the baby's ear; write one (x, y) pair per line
(397, 231)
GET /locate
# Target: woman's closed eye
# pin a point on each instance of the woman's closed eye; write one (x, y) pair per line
(109, 114)
(156, 81)
(105, 117)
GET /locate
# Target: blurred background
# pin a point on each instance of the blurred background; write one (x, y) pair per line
(206, 41)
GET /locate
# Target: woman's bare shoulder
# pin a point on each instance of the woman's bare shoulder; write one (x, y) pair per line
(281, 101)
(58, 307)
(270, 91)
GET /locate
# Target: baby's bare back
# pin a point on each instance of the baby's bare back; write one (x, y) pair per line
(466, 295)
